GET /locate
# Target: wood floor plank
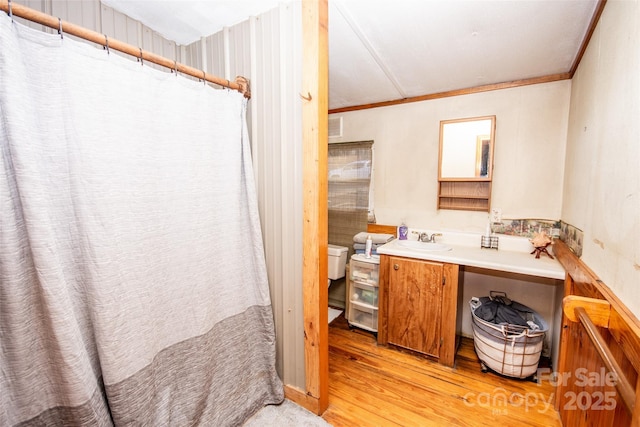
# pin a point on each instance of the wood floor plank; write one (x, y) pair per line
(386, 398)
(372, 385)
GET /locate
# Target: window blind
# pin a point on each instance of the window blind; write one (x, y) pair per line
(350, 165)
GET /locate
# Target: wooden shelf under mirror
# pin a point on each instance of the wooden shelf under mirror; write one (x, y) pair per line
(464, 195)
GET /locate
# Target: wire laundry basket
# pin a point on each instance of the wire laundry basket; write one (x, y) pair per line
(508, 349)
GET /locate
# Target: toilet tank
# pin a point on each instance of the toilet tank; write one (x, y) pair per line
(337, 261)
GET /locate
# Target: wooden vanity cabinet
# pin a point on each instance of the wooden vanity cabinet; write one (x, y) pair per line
(415, 301)
(418, 302)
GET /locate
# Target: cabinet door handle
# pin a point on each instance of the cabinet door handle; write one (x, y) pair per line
(396, 267)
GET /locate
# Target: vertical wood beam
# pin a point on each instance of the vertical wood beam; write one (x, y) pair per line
(315, 105)
(383, 300)
(567, 341)
(449, 314)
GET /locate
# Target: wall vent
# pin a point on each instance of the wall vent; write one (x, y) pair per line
(335, 127)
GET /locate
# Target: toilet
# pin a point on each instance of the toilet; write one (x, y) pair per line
(337, 262)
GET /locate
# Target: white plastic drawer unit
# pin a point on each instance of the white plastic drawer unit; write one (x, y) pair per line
(364, 294)
(363, 316)
(365, 270)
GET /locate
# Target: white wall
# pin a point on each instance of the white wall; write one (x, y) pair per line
(277, 141)
(602, 185)
(95, 16)
(267, 50)
(531, 125)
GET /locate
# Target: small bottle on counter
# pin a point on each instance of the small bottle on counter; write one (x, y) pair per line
(403, 231)
(368, 246)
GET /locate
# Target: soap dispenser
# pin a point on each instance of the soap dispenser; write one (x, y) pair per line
(368, 247)
(403, 231)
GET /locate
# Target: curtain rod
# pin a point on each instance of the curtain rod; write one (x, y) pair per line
(240, 84)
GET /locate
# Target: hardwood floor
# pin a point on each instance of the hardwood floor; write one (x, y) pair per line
(371, 385)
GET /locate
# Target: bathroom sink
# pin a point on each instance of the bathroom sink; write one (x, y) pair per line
(424, 246)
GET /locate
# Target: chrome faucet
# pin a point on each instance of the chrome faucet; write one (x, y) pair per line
(432, 239)
(424, 237)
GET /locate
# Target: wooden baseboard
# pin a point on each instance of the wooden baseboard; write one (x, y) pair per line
(301, 398)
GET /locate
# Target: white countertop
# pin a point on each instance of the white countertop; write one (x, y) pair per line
(514, 255)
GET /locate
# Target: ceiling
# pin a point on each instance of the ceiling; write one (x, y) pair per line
(381, 50)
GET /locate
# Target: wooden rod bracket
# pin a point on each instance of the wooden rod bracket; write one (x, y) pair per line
(599, 310)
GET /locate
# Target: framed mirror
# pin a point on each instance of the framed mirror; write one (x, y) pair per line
(466, 149)
(465, 167)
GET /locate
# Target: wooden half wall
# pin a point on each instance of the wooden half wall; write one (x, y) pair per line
(588, 392)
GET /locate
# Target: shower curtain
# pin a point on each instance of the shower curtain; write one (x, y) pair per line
(133, 287)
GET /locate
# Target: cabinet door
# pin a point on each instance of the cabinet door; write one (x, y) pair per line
(415, 301)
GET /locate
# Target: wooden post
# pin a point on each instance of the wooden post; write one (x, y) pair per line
(314, 98)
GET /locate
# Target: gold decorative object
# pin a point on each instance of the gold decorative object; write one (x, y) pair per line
(541, 241)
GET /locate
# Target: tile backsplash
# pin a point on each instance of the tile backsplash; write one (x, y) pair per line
(569, 234)
(572, 236)
(527, 227)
